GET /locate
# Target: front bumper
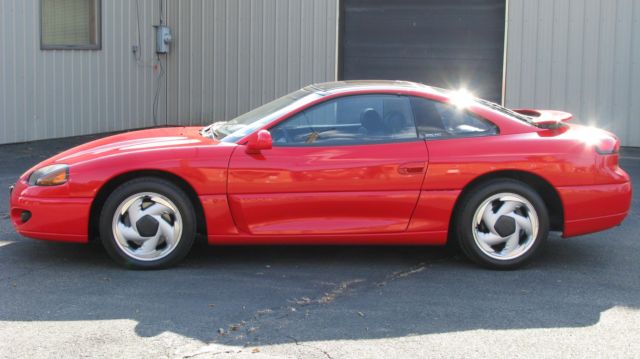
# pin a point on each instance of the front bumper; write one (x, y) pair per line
(55, 218)
(589, 209)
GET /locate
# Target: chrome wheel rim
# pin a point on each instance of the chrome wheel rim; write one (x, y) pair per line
(147, 226)
(505, 226)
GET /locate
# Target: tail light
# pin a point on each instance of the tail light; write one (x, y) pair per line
(608, 145)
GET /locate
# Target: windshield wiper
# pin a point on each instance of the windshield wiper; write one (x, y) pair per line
(206, 132)
(213, 130)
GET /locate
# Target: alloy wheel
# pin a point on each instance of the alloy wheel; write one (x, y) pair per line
(147, 226)
(505, 226)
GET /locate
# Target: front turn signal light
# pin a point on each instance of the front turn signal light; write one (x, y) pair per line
(53, 175)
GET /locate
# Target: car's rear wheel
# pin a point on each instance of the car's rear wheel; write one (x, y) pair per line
(147, 223)
(502, 224)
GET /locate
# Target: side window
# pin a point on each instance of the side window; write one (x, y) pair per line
(436, 120)
(349, 120)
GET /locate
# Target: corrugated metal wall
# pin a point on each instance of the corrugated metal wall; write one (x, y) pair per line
(227, 57)
(47, 94)
(230, 56)
(582, 56)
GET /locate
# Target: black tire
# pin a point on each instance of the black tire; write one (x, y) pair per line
(464, 222)
(164, 188)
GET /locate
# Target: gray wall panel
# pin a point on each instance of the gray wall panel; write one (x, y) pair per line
(230, 56)
(48, 94)
(580, 56)
(55, 93)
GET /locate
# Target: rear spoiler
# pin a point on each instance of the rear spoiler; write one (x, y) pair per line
(546, 118)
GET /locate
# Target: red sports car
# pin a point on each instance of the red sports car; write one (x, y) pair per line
(365, 162)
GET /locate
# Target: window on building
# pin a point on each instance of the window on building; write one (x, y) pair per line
(349, 120)
(70, 24)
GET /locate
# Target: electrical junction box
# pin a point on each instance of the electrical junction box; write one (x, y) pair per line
(163, 38)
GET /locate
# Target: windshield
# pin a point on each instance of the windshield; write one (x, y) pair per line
(235, 129)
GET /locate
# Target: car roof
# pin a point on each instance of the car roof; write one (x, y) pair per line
(373, 85)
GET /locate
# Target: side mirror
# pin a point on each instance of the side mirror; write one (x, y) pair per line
(261, 141)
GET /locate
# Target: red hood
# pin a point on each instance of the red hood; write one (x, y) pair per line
(135, 141)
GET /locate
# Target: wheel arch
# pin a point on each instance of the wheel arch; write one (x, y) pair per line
(549, 194)
(110, 185)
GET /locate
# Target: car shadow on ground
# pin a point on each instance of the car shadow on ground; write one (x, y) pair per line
(267, 295)
(260, 295)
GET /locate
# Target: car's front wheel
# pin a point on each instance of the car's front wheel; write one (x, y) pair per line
(147, 223)
(502, 224)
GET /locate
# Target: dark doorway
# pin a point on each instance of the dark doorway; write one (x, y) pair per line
(445, 43)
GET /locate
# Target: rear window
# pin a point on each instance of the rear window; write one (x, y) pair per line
(439, 120)
(506, 111)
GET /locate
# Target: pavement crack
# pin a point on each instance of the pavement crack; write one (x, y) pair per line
(402, 274)
(297, 342)
(294, 339)
(211, 351)
(251, 326)
(330, 296)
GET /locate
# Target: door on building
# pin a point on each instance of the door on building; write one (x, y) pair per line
(445, 43)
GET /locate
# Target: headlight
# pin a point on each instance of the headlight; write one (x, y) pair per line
(49, 176)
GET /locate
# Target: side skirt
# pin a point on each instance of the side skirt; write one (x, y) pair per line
(435, 238)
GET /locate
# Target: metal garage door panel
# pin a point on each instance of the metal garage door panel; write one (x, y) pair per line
(447, 43)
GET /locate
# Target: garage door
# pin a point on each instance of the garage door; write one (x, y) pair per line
(446, 43)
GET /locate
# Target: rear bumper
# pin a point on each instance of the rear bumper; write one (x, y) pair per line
(51, 218)
(589, 209)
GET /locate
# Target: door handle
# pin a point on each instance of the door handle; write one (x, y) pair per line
(412, 168)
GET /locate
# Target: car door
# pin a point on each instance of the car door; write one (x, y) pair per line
(352, 164)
